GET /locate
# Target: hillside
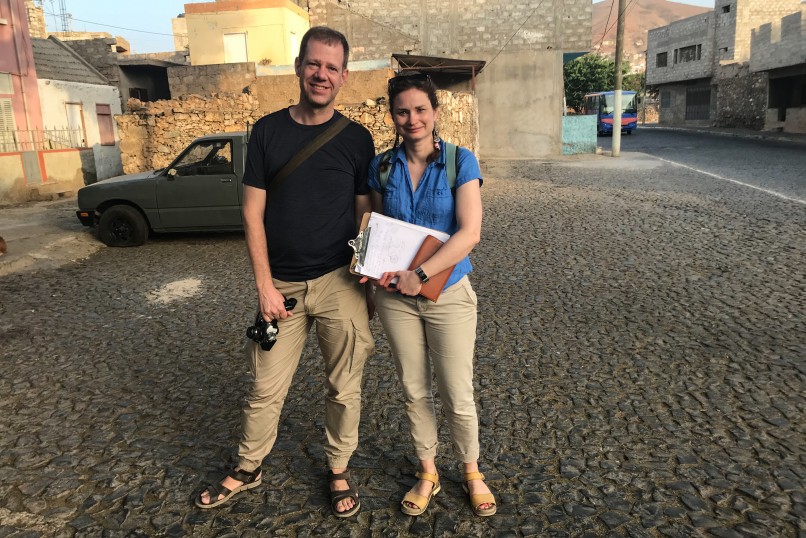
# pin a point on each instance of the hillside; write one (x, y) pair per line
(642, 15)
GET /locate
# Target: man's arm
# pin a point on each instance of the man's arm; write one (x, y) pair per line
(254, 210)
(362, 205)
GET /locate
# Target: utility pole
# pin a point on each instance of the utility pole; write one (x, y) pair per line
(616, 151)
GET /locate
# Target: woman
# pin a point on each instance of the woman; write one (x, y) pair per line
(425, 335)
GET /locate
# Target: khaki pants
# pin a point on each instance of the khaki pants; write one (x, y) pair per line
(337, 303)
(439, 336)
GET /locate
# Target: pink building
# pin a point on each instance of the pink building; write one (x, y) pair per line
(19, 95)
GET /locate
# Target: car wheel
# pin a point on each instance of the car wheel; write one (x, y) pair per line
(122, 226)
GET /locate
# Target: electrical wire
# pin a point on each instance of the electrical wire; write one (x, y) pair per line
(112, 26)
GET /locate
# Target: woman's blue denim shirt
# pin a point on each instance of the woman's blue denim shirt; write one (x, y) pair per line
(432, 205)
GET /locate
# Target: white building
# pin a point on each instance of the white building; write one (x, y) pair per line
(78, 103)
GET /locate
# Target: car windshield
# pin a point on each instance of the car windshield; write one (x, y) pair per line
(627, 104)
(207, 157)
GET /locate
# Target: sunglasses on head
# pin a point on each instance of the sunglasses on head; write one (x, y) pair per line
(409, 80)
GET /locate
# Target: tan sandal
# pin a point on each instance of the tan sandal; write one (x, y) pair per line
(418, 500)
(480, 498)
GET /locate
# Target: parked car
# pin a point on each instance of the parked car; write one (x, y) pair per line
(200, 190)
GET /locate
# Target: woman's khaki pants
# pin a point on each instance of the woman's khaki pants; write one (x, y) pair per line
(440, 336)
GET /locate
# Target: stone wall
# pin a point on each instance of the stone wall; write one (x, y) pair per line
(99, 54)
(209, 79)
(742, 97)
(36, 20)
(152, 134)
(377, 28)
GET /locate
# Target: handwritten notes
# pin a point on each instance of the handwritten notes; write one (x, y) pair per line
(392, 245)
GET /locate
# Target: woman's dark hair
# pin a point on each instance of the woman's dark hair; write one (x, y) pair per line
(407, 81)
(325, 35)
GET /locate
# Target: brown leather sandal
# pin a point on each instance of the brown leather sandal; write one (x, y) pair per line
(250, 480)
(340, 495)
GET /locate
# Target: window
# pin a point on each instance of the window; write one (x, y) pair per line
(139, 93)
(660, 59)
(8, 128)
(690, 53)
(726, 9)
(105, 125)
(206, 158)
(665, 99)
(675, 55)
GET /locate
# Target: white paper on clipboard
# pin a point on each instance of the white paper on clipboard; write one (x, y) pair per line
(390, 245)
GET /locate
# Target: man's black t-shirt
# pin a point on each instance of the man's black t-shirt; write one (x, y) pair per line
(311, 216)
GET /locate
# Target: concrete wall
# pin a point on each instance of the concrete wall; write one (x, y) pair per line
(579, 134)
(36, 175)
(179, 27)
(779, 43)
(526, 123)
(13, 185)
(377, 28)
(795, 121)
(751, 14)
(55, 93)
(273, 30)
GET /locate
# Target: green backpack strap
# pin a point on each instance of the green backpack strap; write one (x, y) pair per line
(451, 162)
(384, 167)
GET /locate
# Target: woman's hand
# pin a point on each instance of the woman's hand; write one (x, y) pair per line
(407, 283)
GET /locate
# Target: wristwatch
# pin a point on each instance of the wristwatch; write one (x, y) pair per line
(420, 273)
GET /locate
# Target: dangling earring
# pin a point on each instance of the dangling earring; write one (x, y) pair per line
(436, 137)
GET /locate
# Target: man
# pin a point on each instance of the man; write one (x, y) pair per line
(296, 234)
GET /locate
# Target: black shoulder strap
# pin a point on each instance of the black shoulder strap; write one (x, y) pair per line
(306, 152)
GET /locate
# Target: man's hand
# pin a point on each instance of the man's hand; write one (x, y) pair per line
(272, 304)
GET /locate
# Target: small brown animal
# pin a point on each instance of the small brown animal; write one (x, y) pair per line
(3, 246)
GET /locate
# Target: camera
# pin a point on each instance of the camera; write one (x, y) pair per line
(264, 332)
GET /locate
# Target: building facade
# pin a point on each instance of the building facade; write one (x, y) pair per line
(778, 51)
(79, 103)
(520, 90)
(701, 65)
(265, 32)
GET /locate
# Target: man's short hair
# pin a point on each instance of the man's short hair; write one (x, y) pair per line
(325, 35)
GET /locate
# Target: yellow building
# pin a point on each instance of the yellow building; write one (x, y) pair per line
(266, 32)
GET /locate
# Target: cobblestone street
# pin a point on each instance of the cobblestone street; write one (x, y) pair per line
(641, 371)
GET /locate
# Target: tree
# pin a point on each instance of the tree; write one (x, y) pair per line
(586, 74)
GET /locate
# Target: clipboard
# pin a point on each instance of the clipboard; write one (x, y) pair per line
(386, 244)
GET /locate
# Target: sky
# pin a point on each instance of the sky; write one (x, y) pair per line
(145, 24)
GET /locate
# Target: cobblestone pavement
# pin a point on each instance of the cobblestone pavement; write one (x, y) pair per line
(640, 372)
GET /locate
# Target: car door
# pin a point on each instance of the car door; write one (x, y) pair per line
(200, 190)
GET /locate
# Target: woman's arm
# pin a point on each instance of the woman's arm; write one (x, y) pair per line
(467, 236)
